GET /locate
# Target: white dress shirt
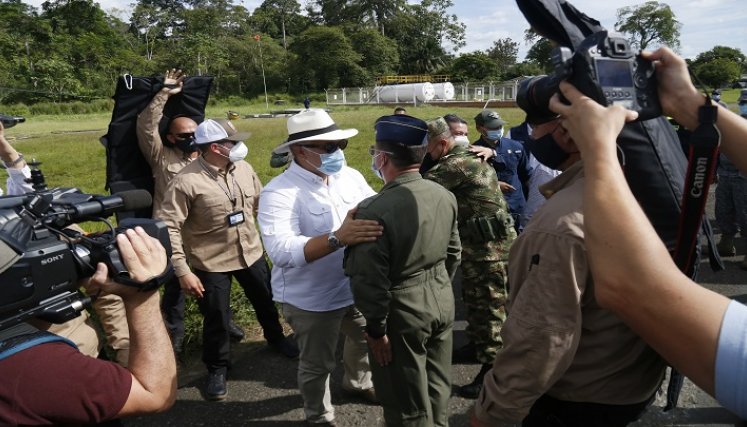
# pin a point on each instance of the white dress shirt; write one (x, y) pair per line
(16, 182)
(295, 207)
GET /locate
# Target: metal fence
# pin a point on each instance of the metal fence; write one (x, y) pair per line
(463, 92)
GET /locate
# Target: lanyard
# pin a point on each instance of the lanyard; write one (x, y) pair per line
(226, 190)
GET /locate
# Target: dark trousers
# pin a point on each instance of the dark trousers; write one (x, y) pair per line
(551, 412)
(172, 307)
(216, 310)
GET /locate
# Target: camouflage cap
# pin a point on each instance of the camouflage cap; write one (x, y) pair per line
(8, 256)
(437, 127)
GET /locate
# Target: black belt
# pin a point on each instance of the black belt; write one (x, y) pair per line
(486, 228)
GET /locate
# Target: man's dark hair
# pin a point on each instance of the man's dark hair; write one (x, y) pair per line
(403, 155)
(400, 110)
(453, 118)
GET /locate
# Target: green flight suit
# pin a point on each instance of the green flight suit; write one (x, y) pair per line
(402, 285)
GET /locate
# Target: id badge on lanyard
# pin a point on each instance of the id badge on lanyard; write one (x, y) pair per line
(235, 218)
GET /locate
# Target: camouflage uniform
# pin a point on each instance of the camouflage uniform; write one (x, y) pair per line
(486, 231)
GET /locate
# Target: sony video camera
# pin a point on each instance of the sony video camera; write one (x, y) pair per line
(44, 282)
(604, 68)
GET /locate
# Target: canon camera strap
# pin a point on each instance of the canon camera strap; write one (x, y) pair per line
(703, 155)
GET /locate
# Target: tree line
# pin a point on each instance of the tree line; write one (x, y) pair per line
(72, 49)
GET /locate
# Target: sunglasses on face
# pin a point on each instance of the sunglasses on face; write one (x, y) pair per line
(329, 147)
(186, 135)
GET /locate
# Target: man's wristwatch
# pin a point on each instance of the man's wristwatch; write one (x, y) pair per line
(333, 242)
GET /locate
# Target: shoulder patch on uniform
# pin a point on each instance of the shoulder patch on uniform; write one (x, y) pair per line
(366, 202)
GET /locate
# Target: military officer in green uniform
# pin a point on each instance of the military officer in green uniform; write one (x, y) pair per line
(402, 281)
(486, 231)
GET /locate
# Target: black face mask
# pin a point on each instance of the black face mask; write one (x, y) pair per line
(186, 145)
(547, 151)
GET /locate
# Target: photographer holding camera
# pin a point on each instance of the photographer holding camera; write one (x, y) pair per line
(566, 360)
(46, 380)
(701, 333)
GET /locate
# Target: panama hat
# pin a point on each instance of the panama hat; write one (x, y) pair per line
(313, 125)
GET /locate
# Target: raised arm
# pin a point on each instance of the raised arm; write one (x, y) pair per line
(18, 170)
(680, 100)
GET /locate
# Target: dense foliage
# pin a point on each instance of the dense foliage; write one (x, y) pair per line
(71, 50)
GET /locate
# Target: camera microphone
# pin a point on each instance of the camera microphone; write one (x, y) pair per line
(135, 199)
(107, 205)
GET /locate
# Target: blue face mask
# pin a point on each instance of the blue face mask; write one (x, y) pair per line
(376, 171)
(743, 108)
(331, 163)
(494, 135)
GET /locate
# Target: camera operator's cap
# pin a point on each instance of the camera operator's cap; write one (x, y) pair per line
(233, 133)
(212, 131)
(742, 96)
(489, 119)
(401, 129)
(8, 256)
(437, 127)
(313, 125)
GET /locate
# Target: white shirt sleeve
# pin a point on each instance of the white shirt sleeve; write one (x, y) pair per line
(280, 228)
(731, 360)
(16, 183)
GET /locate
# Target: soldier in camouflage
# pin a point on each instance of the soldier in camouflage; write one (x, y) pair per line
(486, 231)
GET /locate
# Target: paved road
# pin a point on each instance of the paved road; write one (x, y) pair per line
(262, 385)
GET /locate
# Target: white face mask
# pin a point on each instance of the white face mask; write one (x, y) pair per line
(238, 152)
(462, 140)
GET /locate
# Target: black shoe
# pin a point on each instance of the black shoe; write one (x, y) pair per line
(472, 390)
(464, 354)
(235, 332)
(369, 394)
(286, 347)
(216, 386)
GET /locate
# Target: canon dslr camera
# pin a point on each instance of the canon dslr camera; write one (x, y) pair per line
(605, 69)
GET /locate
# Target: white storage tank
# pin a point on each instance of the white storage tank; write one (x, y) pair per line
(422, 92)
(444, 91)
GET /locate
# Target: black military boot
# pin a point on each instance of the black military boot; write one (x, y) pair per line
(465, 354)
(472, 390)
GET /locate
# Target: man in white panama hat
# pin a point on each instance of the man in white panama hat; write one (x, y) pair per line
(306, 215)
